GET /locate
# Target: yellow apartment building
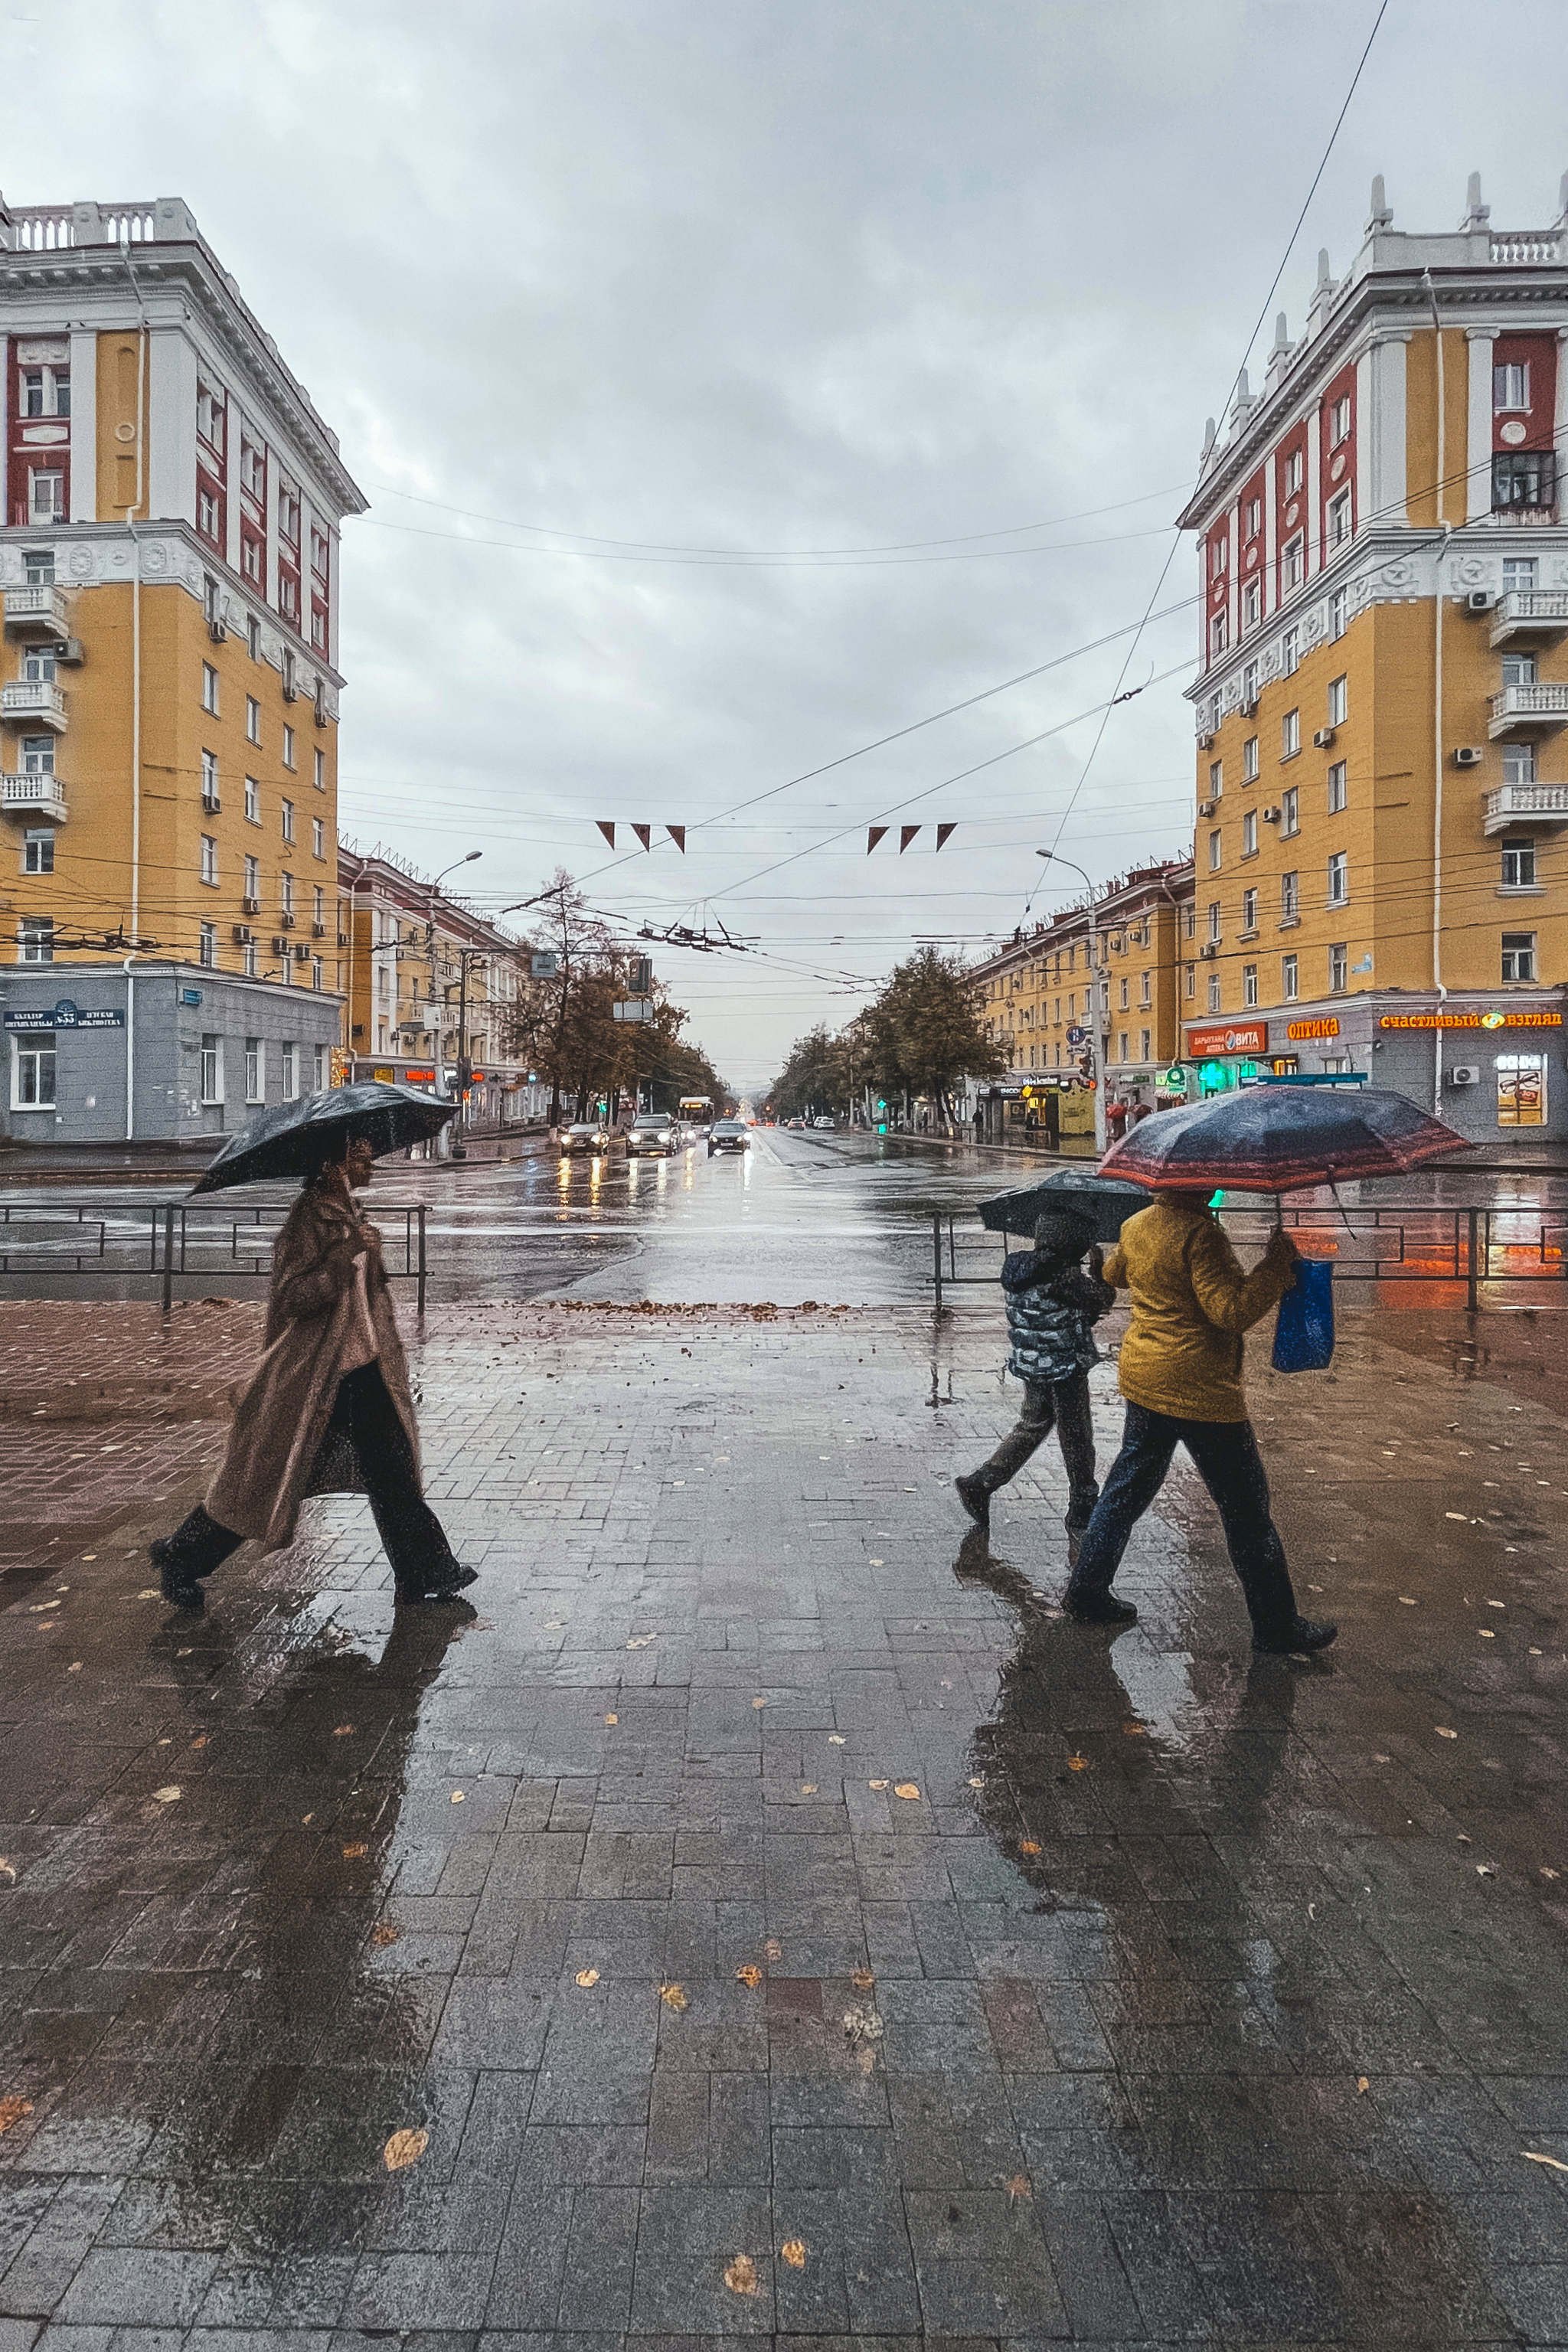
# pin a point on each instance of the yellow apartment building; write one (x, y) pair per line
(174, 945)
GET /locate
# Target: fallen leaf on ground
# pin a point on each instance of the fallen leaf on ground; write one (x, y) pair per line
(1485, 1870)
(1135, 1731)
(13, 2109)
(1019, 2187)
(879, 1563)
(862, 1980)
(1029, 1845)
(1554, 2161)
(750, 1975)
(1078, 1763)
(1453, 1514)
(1363, 2082)
(343, 1731)
(75, 1665)
(641, 1641)
(200, 1741)
(862, 2025)
(1408, 1598)
(794, 2252)
(1545, 1872)
(740, 2278)
(836, 1739)
(456, 1795)
(877, 1784)
(586, 1977)
(907, 1789)
(1443, 1731)
(758, 1702)
(165, 1796)
(403, 2148)
(612, 1719)
(8, 1870)
(352, 1853)
(150, 1592)
(672, 1995)
(773, 1949)
(384, 1933)
(977, 1782)
(809, 1788)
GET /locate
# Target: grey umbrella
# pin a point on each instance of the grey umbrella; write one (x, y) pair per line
(286, 1142)
(1106, 1201)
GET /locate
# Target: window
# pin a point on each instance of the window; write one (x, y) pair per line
(1510, 387)
(252, 801)
(1289, 897)
(1290, 651)
(1121, 1045)
(1249, 756)
(1214, 918)
(286, 892)
(38, 755)
(288, 811)
(319, 1075)
(1145, 1042)
(210, 415)
(36, 937)
(210, 799)
(1290, 734)
(1518, 955)
(1339, 518)
(206, 512)
(1339, 612)
(255, 1071)
(1249, 834)
(33, 1072)
(320, 774)
(1143, 988)
(1519, 866)
(1249, 683)
(319, 916)
(1219, 636)
(1289, 988)
(1249, 984)
(1521, 669)
(319, 627)
(252, 720)
(252, 959)
(1519, 763)
(1295, 570)
(38, 850)
(1293, 473)
(1192, 973)
(318, 837)
(1216, 847)
(1190, 922)
(1339, 420)
(212, 1068)
(288, 595)
(1252, 518)
(1219, 556)
(1336, 788)
(1339, 967)
(253, 877)
(212, 609)
(1521, 574)
(1214, 992)
(209, 945)
(47, 392)
(1339, 879)
(250, 556)
(252, 467)
(1520, 478)
(209, 858)
(209, 688)
(1249, 910)
(38, 664)
(1251, 605)
(1289, 811)
(1124, 1002)
(253, 638)
(47, 494)
(1339, 700)
(287, 747)
(1216, 779)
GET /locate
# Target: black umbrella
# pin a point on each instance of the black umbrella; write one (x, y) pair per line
(288, 1141)
(1106, 1201)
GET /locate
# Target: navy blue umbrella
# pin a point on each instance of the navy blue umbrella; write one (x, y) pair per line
(1107, 1201)
(289, 1141)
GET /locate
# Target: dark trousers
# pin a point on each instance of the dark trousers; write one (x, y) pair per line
(411, 1534)
(1061, 1405)
(1228, 1463)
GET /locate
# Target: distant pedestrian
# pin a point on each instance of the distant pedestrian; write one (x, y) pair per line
(329, 1407)
(1181, 1374)
(1116, 1120)
(1052, 1309)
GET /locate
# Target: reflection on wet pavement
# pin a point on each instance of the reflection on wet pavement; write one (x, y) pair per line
(762, 1913)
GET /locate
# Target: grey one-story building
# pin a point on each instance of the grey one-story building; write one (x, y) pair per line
(144, 1049)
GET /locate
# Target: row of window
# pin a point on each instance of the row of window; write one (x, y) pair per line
(212, 801)
(1516, 961)
(212, 875)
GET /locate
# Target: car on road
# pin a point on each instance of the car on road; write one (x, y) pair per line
(830, 1123)
(727, 1135)
(794, 1122)
(651, 1133)
(589, 1136)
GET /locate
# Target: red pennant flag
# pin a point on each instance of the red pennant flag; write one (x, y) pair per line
(943, 833)
(644, 835)
(906, 835)
(607, 830)
(873, 836)
(677, 834)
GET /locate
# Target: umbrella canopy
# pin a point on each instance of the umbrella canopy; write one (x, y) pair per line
(1281, 1140)
(1107, 1201)
(286, 1142)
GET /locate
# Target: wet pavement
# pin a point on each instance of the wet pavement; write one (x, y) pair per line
(761, 1915)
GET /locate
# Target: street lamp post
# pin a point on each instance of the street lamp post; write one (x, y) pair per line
(1099, 1033)
(443, 1140)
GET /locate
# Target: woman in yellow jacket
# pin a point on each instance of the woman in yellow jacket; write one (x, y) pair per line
(1181, 1375)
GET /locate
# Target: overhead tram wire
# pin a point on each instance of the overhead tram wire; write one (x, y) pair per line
(766, 563)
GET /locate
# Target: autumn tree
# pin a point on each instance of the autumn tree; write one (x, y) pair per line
(925, 1030)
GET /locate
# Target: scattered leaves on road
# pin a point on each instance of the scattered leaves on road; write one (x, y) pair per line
(13, 2109)
(759, 1702)
(456, 1795)
(1078, 1763)
(672, 1995)
(1454, 1515)
(794, 2252)
(403, 2148)
(809, 1788)
(907, 1789)
(877, 1784)
(1029, 1845)
(750, 1975)
(612, 1719)
(1363, 2082)
(977, 1782)
(740, 2278)
(586, 1977)
(1019, 2187)
(773, 1950)
(1533, 2157)
(641, 1641)
(200, 1741)
(1443, 1731)
(836, 1739)
(384, 1933)
(168, 1796)
(343, 1731)
(353, 1852)
(862, 1980)
(8, 1870)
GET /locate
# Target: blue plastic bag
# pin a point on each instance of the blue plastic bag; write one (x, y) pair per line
(1304, 1330)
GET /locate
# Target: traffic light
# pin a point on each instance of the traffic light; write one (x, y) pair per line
(639, 975)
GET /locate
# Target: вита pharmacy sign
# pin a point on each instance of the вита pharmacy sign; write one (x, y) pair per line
(65, 1015)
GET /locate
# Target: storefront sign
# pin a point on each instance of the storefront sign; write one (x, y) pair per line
(65, 1015)
(1454, 1019)
(1247, 1037)
(1297, 1030)
(418, 1078)
(385, 1073)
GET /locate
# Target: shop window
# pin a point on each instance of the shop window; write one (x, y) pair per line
(1522, 1090)
(212, 1068)
(255, 1070)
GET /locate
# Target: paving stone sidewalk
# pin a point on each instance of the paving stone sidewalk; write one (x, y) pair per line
(763, 1915)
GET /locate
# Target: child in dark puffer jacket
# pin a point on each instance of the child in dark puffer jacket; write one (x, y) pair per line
(1052, 1309)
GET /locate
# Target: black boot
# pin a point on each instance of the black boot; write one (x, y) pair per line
(975, 1497)
(1098, 1608)
(441, 1584)
(179, 1586)
(1308, 1633)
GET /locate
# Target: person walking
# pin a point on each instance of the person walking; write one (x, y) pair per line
(1181, 1375)
(1052, 1309)
(329, 1407)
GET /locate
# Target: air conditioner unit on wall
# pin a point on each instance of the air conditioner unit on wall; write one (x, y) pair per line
(1203, 742)
(218, 632)
(302, 951)
(1248, 709)
(1270, 815)
(1465, 1074)
(1208, 808)
(1322, 739)
(242, 935)
(1467, 756)
(287, 921)
(1209, 949)
(1479, 600)
(252, 905)
(279, 947)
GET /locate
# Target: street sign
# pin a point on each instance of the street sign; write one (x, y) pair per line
(66, 1015)
(1077, 1037)
(632, 1008)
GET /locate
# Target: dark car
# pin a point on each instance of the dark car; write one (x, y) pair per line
(727, 1135)
(588, 1135)
(652, 1131)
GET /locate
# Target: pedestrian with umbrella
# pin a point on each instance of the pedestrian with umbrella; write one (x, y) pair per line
(1181, 1362)
(329, 1407)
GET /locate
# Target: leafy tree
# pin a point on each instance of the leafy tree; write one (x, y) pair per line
(815, 1077)
(925, 1030)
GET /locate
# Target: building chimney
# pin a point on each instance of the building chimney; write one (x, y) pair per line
(1477, 214)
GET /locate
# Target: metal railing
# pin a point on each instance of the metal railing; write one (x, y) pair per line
(1377, 1246)
(180, 1241)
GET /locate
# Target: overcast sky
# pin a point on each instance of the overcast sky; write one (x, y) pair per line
(737, 284)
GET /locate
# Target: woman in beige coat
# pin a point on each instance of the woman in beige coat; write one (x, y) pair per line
(329, 1409)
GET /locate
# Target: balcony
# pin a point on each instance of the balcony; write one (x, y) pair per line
(35, 612)
(1530, 617)
(34, 796)
(1525, 711)
(33, 702)
(1514, 804)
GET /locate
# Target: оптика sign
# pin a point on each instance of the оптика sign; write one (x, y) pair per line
(65, 1015)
